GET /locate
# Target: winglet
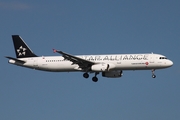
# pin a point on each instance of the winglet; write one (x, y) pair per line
(54, 50)
(57, 51)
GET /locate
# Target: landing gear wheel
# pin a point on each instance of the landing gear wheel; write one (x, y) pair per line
(153, 76)
(85, 75)
(94, 79)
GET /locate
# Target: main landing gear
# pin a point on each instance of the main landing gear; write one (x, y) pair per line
(153, 75)
(94, 79)
(86, 75)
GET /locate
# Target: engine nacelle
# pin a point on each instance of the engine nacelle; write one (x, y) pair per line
(102, 67)
(112, 74)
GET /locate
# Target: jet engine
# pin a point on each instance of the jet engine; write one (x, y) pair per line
(102, 67)
(112, 74)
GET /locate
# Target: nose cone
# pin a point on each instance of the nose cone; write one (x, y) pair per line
(169, 63)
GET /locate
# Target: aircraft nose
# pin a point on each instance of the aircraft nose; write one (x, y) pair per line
(170, 63)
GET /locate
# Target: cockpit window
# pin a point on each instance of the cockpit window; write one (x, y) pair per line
(162, 58)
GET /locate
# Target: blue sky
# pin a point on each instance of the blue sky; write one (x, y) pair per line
(94, 27)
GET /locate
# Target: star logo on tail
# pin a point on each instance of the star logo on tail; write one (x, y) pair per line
(21, 51)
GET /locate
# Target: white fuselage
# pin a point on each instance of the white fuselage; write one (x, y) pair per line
(119, 61)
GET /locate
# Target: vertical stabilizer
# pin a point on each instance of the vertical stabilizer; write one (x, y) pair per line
(21, 48)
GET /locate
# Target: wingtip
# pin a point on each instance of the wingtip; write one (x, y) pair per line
(54, 50)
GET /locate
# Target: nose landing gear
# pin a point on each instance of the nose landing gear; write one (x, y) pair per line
(153, 74)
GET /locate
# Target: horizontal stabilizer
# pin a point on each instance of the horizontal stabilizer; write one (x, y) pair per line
(15, 59)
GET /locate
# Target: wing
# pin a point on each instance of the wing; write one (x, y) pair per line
(82, 63)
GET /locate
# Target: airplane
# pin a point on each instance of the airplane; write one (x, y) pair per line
(111, 65)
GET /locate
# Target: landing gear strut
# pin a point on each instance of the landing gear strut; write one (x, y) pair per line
(95, 79)
(153, 75)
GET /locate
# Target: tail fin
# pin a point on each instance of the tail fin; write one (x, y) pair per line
(21, 48)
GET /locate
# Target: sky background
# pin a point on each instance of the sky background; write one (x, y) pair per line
(90, 27)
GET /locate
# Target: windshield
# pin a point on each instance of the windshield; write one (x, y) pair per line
(162, 58)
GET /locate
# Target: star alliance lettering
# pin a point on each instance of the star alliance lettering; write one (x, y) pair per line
(117, 57)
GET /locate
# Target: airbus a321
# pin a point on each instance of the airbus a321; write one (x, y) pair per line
(111, 66)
